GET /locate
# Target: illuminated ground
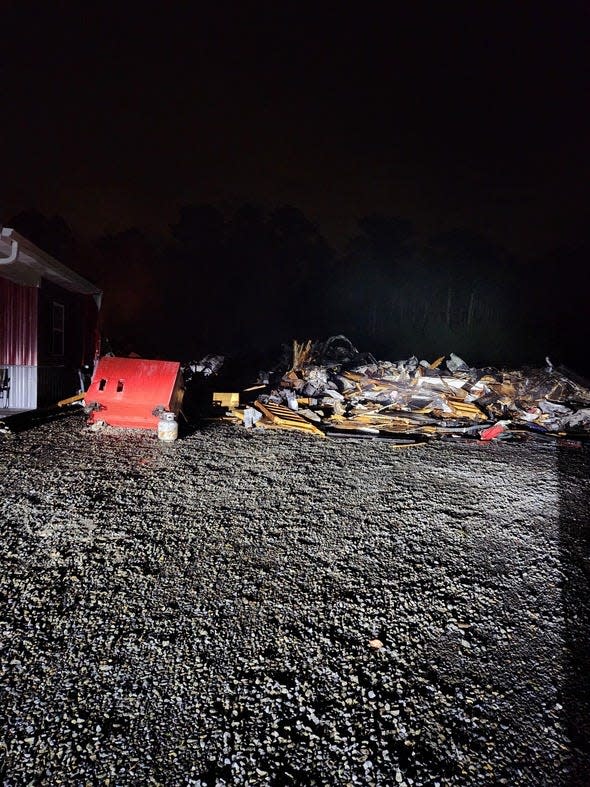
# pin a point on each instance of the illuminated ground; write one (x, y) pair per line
(200, 612)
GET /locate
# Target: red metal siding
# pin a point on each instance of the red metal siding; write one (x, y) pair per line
(18, 324)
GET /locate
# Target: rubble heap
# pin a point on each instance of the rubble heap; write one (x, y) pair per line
(330, 387)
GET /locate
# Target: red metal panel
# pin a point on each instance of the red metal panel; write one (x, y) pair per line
(128, 390)
(18, 324)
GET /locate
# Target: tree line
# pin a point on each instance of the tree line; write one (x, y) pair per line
(247, 282)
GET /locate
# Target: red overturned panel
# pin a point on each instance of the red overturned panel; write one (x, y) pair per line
(127, 390)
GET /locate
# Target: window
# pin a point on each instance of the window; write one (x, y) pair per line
(57, 329)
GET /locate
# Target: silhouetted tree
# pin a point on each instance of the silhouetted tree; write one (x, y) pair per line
(369, 277)
(471, 303)
(54, 235)
(134, 283)
(554, 290)
(383, 237)
(199, 277)
(301, 260)
(251, 278)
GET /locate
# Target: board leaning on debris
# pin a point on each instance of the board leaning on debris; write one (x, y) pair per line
(331, 388)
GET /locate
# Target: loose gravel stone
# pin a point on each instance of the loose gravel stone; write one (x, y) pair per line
(207, 612)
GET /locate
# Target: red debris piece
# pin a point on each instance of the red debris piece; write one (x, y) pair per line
(492, 432)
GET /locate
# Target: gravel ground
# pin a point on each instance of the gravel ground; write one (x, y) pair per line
(200, 612)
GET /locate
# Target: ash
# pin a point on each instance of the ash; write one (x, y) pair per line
(266, 608)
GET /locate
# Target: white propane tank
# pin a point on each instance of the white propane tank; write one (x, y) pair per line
(167, 427)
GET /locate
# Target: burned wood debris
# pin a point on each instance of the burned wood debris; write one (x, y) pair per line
(331, 388)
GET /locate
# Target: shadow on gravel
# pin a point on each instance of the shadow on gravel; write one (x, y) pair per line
(30, 419)
(574, 533)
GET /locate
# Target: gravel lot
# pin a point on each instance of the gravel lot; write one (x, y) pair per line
(200, 612)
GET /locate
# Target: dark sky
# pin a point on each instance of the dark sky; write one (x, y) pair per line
(450, 115)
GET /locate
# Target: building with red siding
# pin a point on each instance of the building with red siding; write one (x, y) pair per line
(48, 325)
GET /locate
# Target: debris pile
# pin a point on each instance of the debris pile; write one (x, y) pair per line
(332, 388)
(207, 366)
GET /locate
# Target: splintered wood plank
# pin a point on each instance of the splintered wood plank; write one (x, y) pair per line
(466, 410)
(354, 376)
(302, 352)
(355, 427)
(286, 418)
(71, 399)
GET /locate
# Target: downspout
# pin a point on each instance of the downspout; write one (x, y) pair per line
(6, 233)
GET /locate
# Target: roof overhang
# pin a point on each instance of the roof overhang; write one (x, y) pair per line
(24, 263)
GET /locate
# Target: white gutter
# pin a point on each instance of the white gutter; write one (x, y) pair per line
(6, 233)
(45, 266)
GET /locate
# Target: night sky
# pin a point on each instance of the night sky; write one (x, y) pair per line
(471, 116)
